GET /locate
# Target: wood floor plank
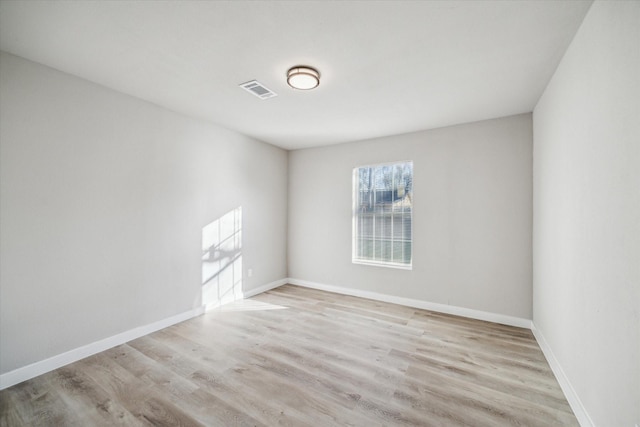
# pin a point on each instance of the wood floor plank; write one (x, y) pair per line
(302, 357)
(83, 396)
(9, 413)
(39, 403)
(195, 365)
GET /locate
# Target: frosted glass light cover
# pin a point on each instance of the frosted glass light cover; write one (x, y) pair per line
(303, 78)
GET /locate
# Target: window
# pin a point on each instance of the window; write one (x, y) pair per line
(382, 214)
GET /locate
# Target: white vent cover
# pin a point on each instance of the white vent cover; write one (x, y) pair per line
(258, 89)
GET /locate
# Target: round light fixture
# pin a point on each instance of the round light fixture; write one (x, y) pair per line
(303, 78)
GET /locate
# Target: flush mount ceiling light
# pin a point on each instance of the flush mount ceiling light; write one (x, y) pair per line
(303, 78)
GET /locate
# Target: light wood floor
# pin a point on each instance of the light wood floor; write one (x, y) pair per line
(300, 357)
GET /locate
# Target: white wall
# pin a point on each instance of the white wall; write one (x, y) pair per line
(103, 201)
(472, 215)
(587, 214)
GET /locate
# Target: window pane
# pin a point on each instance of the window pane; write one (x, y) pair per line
(383, 213)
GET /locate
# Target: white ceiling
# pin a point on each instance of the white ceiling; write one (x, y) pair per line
(388, 67)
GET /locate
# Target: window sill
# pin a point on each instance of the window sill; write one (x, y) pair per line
(383, 264)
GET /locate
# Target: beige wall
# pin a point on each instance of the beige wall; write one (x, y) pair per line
(472, 215)
(587, 214)
(104, 198)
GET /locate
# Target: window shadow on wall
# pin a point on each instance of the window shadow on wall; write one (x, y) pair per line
(222, 260)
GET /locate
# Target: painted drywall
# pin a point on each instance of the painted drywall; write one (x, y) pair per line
(472, 211)
(586, 232)
(103, 202)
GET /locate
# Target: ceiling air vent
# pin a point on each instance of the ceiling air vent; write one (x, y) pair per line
(258, 89)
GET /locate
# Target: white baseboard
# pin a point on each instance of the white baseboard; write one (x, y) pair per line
(252, 292)
(572, 397)
(574, 401)
(38, 368)
(425, 305)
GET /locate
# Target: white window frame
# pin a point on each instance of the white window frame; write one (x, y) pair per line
(354, 234)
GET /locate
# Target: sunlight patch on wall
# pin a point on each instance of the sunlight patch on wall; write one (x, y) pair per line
(222, 260)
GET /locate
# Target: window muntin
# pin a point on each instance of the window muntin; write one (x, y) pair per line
(382, 214)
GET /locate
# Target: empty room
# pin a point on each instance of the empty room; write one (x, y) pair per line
(320, 213)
